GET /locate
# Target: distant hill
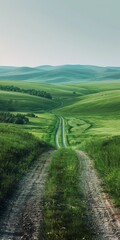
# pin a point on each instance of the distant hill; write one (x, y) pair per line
(60, 74)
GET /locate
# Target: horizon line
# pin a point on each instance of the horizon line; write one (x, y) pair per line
(59, 65)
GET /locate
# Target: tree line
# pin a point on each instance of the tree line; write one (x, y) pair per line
(34, 92)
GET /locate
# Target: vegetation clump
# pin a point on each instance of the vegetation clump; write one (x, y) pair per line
(34, 92)
(106, 155)
(31, 115)
(7, 117)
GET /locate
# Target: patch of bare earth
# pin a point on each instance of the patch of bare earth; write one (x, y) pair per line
(102, 217)
(23, 216)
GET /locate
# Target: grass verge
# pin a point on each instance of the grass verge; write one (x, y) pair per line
(63, 204)
(106, 155)
(100, 138)
(18, 150)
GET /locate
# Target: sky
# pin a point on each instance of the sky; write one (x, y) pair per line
(57, 32)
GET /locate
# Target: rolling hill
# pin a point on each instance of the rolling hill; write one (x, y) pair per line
(60, 74)
(105, 103)
(22, 102)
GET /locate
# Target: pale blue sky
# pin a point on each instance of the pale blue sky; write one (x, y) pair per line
(55, 32)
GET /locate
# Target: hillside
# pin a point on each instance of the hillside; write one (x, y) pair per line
(60, 74)
(22, 148)
(22, 102)
(81, 115)
(102, 103)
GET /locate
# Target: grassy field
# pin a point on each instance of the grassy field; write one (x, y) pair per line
(21, 102)
(43, 126)
(106, 155)
(19, 150)
(100, 138)
(83, 129)
(18, 141)
(100, 104)
(91, 111)
(93, 125)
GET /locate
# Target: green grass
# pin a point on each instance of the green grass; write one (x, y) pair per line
(66, 91)
(106, 156)
(21, 102)
(19, 150)
(62, 91)
(81, 129)
(105, 103)
(92, 120)
(100, 138)
(43, 127)
(63, 204)
(91, 111)
(95, 128)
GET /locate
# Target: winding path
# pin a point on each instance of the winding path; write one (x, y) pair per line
(23, 217)
(102, 218)
(60, 135)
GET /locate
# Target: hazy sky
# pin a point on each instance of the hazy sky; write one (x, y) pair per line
(39, 32)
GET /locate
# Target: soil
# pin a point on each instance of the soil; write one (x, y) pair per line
(22, 218)
(102, 218)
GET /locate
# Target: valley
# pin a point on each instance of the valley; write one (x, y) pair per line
(76, 135)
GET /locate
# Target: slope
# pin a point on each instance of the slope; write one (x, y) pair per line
(103, 103)
(21, 102)
(60, 74)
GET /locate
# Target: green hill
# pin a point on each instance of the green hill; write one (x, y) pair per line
(60, 74)
(102, 103)
(21, 102)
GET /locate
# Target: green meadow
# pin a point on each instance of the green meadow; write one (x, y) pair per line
(91, 111)
(93, 125)
(43, 126)
(22, 102)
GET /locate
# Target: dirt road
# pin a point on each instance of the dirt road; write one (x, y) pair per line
(57, 134)
(63, 133)
(102, 218)
(21, 220)
(60, 135)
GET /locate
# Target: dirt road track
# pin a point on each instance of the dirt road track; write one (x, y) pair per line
(57, 134)
(103, 219)
(21, 219)
(61, 134)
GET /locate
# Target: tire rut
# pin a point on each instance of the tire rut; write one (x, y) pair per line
(23, 215)
(101, 216)
(61, 130)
